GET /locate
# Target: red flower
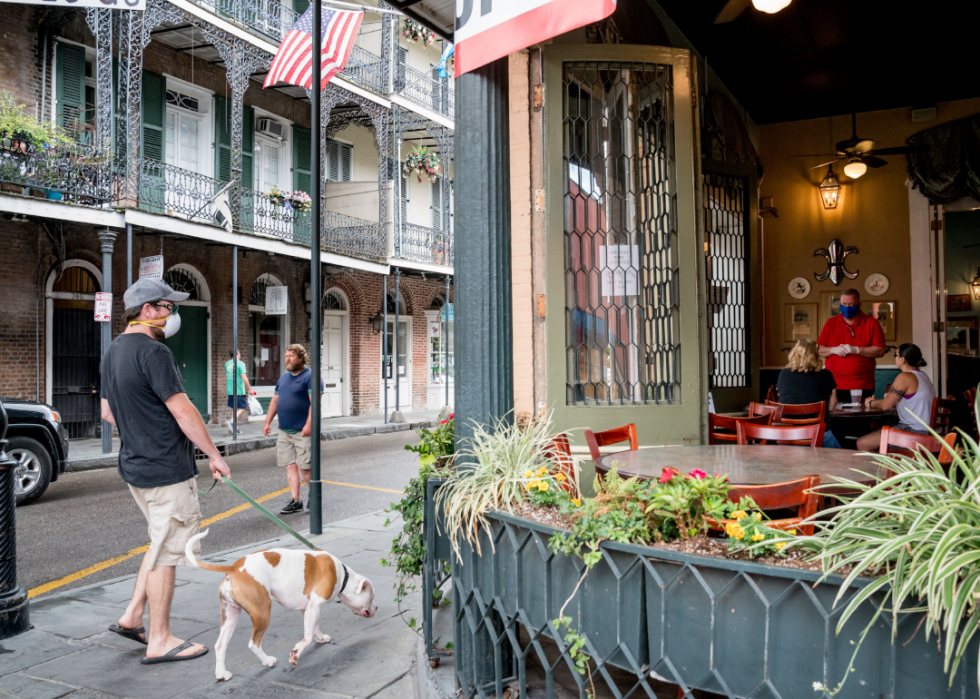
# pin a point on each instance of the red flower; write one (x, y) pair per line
(444, 422)
(452, 415)
(666, 475)
(698, 474)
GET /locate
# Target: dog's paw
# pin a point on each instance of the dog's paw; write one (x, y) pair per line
(322, 638)
(293, 658)
(223, 676)
(270, 661)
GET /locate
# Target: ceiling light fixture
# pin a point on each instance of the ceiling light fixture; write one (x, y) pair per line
(830, 190)
(770, 6)
(855, 168)
(976, 286)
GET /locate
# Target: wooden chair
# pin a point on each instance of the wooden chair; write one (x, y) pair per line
(772, 394)
(762, 409)
(722, 428)
(613, 436)
(898, 442)
(970, 396)
(560, 452)
(942, 414)
(802, 435)
(817, 411)
(797, 494)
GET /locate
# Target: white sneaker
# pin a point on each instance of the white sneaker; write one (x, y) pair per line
(231, 428)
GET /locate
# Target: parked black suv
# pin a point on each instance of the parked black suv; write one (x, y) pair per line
(38, 442)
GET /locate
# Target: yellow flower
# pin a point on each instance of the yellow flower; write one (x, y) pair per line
(560, 477)
(543, 486)
(734, 530)
(793, 532)
(758, 516)
(531, 486)
(576, 502)
(529, 474)
(738, 514)
(780, 546)
(758, 537)
(543, 470)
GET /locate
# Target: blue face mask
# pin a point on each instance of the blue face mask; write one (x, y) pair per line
(848, 311)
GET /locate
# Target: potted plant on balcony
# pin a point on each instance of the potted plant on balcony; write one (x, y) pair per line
(298, 201)
(276, 196)
(21, 135)
(423, 162)
(415, 33)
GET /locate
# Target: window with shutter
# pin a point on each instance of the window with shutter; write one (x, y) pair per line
(435, 196)
(302, 159)
(403, 203)
(300, 6)
(400, 69)
(248, 146)
(70, 91)
(119, 135)
(154, 109)
(333, 161)
(346, 155)
(222, 139)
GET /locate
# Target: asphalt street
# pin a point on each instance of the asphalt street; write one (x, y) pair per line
(88, 518)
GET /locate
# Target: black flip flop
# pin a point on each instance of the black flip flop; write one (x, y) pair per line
(172, 656)
(131, 634)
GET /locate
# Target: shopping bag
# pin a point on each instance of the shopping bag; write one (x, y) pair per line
(254, 407)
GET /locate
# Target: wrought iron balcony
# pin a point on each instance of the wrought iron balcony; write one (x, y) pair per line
(268, 18)
(423, 244)
(73, 173)
(167, 189)
(365, 69)
(426, 90)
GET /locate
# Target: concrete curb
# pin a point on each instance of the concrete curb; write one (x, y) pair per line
(254, 444)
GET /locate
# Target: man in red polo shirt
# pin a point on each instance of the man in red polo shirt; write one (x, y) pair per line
(851, 342)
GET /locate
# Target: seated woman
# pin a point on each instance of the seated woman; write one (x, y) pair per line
(804, 380)
(912, 392)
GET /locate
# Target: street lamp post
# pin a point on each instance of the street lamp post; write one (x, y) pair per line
(13, 599)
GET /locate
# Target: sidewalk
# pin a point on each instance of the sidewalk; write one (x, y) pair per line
(86, 454)
(69, 652)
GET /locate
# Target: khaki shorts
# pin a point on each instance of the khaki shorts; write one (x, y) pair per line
(174, 516)
(293, 449)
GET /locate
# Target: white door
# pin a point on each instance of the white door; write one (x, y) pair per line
(183, 150)
(403, 367)
(269, 219)
(333, 365)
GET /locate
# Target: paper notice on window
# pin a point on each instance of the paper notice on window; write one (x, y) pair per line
(265, 354)
(619, 266)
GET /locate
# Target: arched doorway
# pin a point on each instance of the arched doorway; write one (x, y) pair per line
(336, 333)
(267, 335)
(73, 347)
(192, 345)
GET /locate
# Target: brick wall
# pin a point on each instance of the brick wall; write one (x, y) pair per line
(20, 73)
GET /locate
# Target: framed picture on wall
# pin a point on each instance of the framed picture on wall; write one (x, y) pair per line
(829, 306)
(801, 322)
(884, 313)
(958, 333)
(957, 303)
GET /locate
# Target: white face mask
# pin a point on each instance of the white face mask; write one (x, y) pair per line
(170, 326)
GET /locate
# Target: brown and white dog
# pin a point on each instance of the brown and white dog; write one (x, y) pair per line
(300, 580)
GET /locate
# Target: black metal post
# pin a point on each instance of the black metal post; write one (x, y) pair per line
(234, 342)
(445, 342)
(14, 617)
(108, 239)
(316, 317)
(384, 340)
(396, 415)
(129, 255)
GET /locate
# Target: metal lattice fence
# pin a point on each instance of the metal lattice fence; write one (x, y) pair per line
(726, 236)
(621, 301)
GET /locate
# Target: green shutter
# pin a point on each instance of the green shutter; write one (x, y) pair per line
(333, 161)
(300, 6)
(302, 159)
(154, 108)
(119, 136)
(248, 146)
(71, 84)
(222, 139)
(346, 156)
(435, 194)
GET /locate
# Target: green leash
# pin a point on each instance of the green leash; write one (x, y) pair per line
(248, 498)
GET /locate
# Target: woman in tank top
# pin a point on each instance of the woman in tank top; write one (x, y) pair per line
(911, 395)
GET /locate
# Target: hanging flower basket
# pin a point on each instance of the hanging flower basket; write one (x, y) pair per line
(415, 32)
(299, 201)
(276, 195)
(424, 163)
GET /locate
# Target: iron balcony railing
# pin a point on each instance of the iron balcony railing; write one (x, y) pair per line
(72, 172)
(365, 69)
(426, 90)
(168, 189)
(423, 244)
(268, 18)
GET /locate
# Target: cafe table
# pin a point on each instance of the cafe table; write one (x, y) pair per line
(756, 464)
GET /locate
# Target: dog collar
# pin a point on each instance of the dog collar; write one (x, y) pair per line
(346, 576)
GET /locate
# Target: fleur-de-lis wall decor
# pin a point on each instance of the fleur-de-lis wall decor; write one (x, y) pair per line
(835, 254)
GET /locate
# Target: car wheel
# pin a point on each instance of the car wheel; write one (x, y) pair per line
(32, 472)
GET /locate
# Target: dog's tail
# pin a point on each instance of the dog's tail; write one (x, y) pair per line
(192, 559)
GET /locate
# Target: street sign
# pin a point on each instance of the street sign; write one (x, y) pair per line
(450, 307)
(490, 29)
(150, 267)
(107, 4)
(275, 300)
(103, 307)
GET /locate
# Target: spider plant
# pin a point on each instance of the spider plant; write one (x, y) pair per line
(916, 526)
(493, 478)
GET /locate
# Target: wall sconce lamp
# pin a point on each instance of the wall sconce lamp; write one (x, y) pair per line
(830, 190)
(376, 323)
(976, 286)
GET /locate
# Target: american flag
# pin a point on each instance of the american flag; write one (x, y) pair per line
(293, 63)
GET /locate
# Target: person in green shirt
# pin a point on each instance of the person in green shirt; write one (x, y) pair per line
(244, 389)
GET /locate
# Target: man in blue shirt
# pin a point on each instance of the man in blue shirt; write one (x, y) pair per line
(292, 403)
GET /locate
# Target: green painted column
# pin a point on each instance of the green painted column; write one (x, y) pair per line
(484, 369)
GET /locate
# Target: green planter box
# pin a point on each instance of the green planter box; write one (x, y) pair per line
(438, 548)
(743, 630)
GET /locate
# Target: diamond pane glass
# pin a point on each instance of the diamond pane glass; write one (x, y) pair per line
(622, 312)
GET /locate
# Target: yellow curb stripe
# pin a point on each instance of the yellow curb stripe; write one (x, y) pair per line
(85, 572)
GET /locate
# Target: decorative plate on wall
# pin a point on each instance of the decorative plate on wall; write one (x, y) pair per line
(876, 284)
(799, 288)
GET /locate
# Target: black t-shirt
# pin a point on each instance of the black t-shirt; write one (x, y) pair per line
(796, 387)
(138, 375)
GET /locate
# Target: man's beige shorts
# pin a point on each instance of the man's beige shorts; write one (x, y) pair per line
(174, 516)
(293, 449)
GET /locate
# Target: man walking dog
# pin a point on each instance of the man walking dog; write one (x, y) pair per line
(292, 402)
(143, 395)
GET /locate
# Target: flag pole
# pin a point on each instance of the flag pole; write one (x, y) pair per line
(316, 318)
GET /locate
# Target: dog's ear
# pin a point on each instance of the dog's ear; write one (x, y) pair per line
(360, 586)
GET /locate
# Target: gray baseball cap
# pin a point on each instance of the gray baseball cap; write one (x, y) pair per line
(150, 290)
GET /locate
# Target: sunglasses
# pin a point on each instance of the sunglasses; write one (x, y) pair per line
(172, 307)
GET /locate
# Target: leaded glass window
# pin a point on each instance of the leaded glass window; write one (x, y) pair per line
(182, 280)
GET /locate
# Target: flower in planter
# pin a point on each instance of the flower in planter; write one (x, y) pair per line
(414, 32)
(423, 162)
(299, 201)
(698, 474)
(276, 195)
(667, 475)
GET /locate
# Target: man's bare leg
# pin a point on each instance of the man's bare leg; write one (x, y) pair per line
(292, 476)
(132, 618)
(159, 594)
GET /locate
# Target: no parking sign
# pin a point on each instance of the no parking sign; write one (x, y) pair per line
(103, 307)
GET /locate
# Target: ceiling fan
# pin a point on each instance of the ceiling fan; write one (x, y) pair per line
(733, 8)
(859, 153)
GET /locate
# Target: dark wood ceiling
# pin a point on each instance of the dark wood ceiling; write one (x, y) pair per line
(826, 57)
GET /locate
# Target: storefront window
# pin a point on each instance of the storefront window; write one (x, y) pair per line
(441, 340)
(266, 337)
